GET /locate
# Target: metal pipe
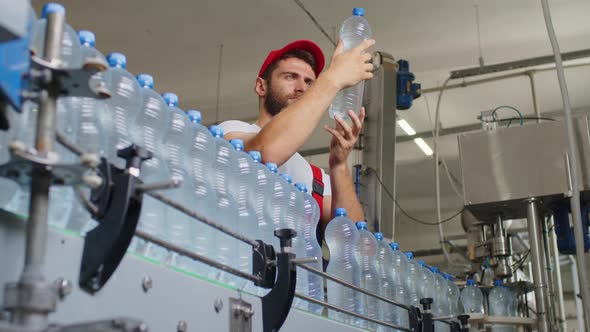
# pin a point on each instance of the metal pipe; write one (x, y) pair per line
(548, 273)
(358, 289)
(195, 256)
(465, 84)
(577, 300)
(537, 260)
(534, 96)
(575, 205)
(32, 279)
(351, 313)
(203, 219)
(557, 268)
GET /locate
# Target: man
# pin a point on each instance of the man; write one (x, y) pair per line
(293, 96)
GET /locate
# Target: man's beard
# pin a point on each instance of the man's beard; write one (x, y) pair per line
(272, 103)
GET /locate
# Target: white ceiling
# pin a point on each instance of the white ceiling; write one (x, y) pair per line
(179, 43)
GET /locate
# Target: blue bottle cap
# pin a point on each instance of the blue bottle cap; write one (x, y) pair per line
(145, 81)
(272, 167)
(87, 38)
(237, 143)
(340, 212)
(358, 11)
(286, 177)
(409, 254)
(117, 59)
(421, 263)
(379, 236)
(52, 7)
(194, 116)
(301, 187)
(256, 156)
(170, 98)
(361, 225)
(434, 269)
(216, 131)
(394, 246)
(498, 282)
(470, 282)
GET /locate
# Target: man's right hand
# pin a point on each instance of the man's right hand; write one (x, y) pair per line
(350, 67)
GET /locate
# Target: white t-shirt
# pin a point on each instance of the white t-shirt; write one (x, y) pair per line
(297, 167)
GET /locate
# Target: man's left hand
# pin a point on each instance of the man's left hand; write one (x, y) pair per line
(344, 137)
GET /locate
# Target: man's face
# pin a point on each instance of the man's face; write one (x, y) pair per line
(288, 82)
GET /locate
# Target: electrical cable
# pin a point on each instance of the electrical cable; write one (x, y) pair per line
(509, 107)
(404, 211)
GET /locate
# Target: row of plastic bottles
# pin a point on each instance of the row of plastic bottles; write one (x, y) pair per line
(501, 302)
(218, 179)
(363, 259)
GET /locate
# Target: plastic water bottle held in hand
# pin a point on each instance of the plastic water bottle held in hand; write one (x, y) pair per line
(366, 248)
(122, 109)
(311, 218)
(354, 30)
(341, 237)
(472, 298)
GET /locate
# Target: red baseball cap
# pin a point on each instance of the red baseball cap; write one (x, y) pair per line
(305, 45)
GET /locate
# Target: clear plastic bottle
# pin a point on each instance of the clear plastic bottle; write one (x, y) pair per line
(383, 260)
(399, 266)
(440, 304)
(122, 107)
(201, 154)
(501, 302)
(311, 218)
(278, 203)
(261, 193)
(88, 133)
(412, 278)
(454, 295)
(177, 139)
(69, 51)
(472, 298)
(365, 251)
(353, 31)
(341, 237)
(426, 281)
(227, 208)
(243, 182)
(149, 128)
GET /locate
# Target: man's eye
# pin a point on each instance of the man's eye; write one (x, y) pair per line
(290, 76)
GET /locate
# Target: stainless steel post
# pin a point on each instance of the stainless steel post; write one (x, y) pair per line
(538, 265)
(32, 298)
(551, 297)
(560, 318)
(579, 302)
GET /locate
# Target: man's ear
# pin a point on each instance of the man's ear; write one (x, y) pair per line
(260, 87)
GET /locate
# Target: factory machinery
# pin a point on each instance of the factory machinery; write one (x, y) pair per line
(55, 280)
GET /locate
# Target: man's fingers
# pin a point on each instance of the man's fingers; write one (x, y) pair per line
(345, 127)
(362, 116)
(368, 67)
(356, 122)
(362, 47)
(335, 133)
(367, 57)
(339, 48)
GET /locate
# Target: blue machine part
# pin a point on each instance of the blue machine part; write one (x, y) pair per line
(15, 55)
(407, 90)
(566, 242)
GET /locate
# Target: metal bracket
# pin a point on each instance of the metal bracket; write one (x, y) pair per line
(119, 207)
(415, 318)
(427, 322)
(264, 264)
(277, 303)
(240, 314)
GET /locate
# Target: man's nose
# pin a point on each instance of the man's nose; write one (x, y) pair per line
(301, 85)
